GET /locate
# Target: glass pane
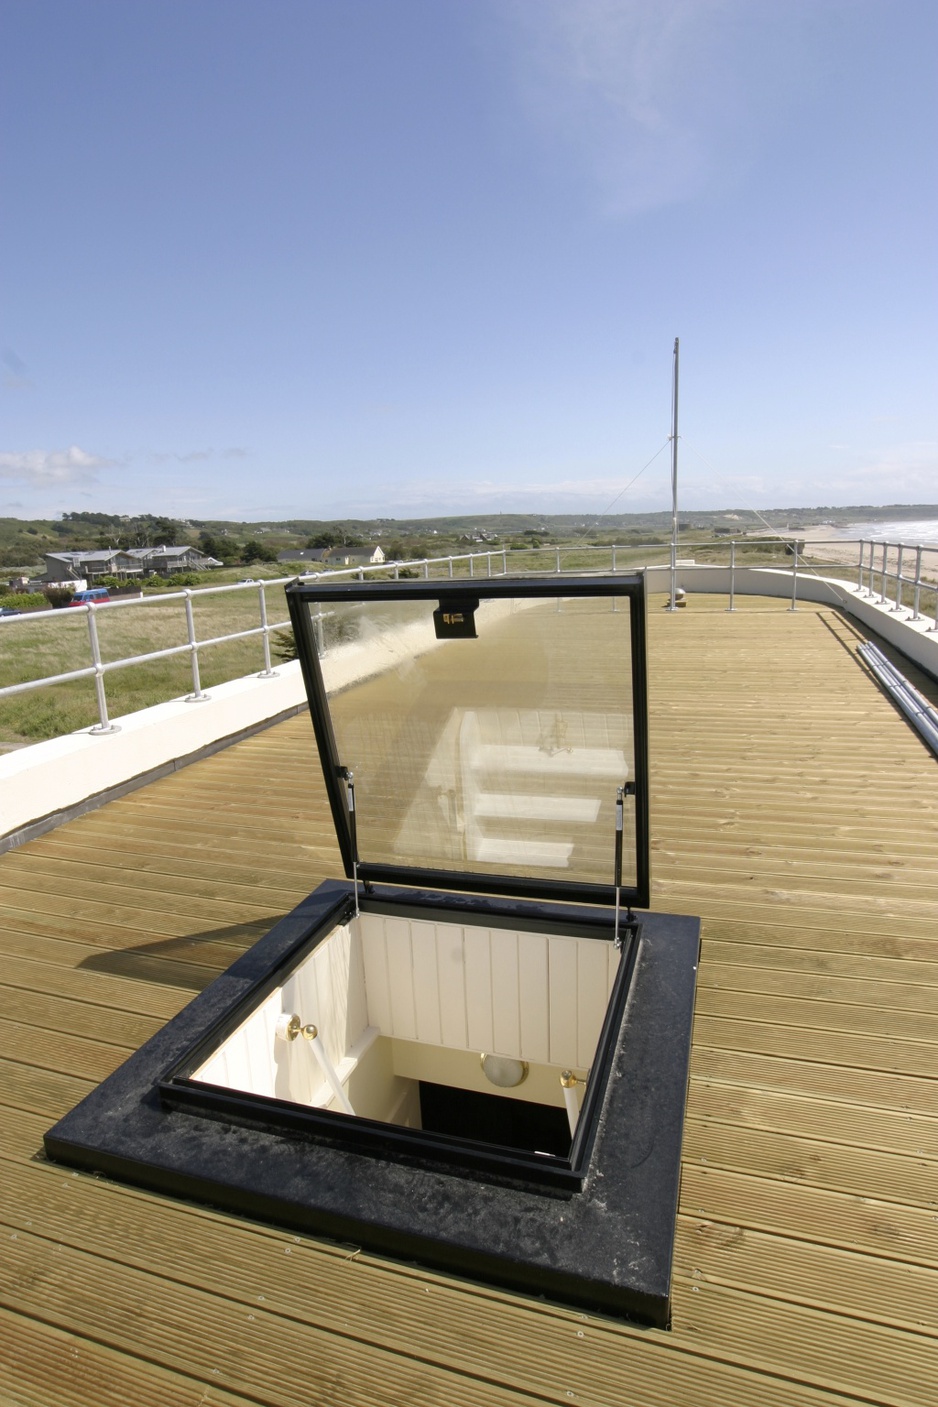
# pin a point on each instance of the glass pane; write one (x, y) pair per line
(498, 754)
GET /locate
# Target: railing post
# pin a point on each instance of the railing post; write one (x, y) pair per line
(426, 570)
(613, 556)
(472, 564)
(488, 564)
(794, 578)
(916, 614)
(732, 605)
(397, 571)
(558, 561)
(860, 568)
(266, 672)
(898, 605)
(882, 583)
(197, 694)
(104, 724)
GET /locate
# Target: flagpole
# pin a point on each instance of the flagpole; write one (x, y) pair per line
(673, 605)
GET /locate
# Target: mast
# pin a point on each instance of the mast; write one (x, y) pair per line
(677, 353)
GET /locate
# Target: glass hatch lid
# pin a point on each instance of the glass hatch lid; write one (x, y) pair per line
(494, 730)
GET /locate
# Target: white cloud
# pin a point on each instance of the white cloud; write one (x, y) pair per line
(44, 468)
(194, 456)
(190, 456)
(659, 100)
(419, 498)
(902, 473)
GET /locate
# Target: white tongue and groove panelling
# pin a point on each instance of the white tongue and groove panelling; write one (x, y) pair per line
(327, 990)
(533, 996)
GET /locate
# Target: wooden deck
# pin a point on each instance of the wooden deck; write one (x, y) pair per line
(792, 807)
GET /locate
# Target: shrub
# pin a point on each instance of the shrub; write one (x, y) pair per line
(116, 583)
(29, 600)
(176, 581)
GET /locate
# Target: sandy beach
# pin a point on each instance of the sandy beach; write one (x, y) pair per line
(820, 547)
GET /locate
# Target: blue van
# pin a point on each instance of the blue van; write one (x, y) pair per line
(92, 597)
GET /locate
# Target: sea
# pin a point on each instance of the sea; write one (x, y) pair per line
(912, 531)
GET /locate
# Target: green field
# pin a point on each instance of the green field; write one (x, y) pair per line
(31, 649)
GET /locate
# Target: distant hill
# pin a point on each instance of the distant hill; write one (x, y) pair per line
(24, 541)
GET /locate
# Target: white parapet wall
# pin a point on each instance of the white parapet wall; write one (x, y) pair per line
(53, 780)
(917, 640)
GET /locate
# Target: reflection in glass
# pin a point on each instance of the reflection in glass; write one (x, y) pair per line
(501, 753)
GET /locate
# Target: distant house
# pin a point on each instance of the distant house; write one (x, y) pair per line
(335, 557)
(356, 557)
(164, 561)
(67, 567)
(61, 570)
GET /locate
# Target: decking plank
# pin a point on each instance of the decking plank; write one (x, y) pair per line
(853, 1126)
(824, 1277)
(868, 1360)
(92, 986)
(495, 1340)
(847, 1221)
(885, 1053)
(802, 1161)
(42, 1366)
(865, 966)
(871, 1089)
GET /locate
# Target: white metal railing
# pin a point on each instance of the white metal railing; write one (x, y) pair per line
(880, 567)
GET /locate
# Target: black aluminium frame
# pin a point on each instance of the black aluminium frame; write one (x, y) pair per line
(300, 594)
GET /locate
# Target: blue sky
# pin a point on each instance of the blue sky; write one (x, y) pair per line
(321, 258)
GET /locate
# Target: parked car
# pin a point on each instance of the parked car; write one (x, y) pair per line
(10, 611)
(92, 597)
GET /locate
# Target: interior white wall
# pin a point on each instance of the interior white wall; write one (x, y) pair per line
(398, 999)
(479, 989)
(328, 991)
(377, 1091)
